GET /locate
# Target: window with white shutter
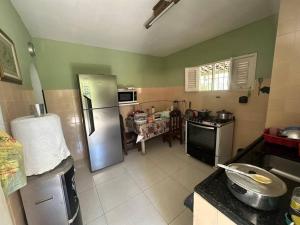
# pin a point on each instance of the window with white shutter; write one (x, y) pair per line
(209, 77)
(243, 72)
(234, 73)
(192, 79)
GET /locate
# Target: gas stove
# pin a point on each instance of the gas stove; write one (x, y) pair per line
(209, 139)
(210, 121)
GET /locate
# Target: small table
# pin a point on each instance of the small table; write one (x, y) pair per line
(150, 130)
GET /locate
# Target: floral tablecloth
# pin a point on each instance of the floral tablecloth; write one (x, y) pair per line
(149, 130)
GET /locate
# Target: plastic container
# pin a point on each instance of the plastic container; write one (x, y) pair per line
(274, 139)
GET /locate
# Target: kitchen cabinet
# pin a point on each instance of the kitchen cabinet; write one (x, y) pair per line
(206, 214)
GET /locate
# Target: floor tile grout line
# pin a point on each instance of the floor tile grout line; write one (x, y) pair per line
(94, 188)
(184, 187)
(98, 217)
(162, 168)
(169, 175)
(123, 203)
(100, 201)
(142, 190)
(181, 213)
(151, 184)
(130, 197)
(156, 209)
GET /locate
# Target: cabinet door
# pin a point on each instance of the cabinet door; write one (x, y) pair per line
(204, 213)
(224, 220)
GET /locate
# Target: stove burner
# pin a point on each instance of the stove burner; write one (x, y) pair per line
(210, 121)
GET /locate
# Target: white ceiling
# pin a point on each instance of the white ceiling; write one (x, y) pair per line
(118, 24)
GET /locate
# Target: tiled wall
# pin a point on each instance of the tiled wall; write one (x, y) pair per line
(66, 104)
(284, 109)
(15, 102)
(250, 118)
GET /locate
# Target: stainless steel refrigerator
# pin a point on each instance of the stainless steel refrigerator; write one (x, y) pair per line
(99, 100)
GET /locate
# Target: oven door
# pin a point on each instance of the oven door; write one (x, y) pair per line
(201, 142)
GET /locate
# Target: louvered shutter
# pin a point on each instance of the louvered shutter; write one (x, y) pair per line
(243, 72)
(192, 79)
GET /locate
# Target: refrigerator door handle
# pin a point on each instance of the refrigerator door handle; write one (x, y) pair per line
(91, 122)
(88, 102)
(90, 115)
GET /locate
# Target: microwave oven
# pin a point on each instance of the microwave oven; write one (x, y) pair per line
(127, 96)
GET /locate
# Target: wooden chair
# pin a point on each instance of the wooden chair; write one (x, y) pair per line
(128, 138)
(175, 127)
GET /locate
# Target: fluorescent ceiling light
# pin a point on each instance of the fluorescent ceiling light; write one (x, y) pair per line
(163, 6)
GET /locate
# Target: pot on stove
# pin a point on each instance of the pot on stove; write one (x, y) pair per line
(204, 113)
(260, 196)
(224, 115)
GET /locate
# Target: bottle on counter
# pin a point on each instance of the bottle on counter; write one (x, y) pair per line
(152, 109)
(295, 206)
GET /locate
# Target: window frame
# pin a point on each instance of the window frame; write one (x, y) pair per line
(213, 64)
(252, 72)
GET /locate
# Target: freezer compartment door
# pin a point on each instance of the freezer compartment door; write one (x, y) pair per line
(98, 91)
(104, 137)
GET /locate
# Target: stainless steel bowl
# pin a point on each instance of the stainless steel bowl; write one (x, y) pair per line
(291, 132)
(260, 196)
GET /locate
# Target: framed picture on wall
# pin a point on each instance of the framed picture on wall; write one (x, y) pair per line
(9, 65)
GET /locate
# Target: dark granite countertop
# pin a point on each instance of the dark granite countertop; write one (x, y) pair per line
(215, 191)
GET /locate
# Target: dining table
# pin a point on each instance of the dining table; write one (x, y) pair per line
(150, 130)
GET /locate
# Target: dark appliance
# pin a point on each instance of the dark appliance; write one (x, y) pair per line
(209, 140)
(127, 96)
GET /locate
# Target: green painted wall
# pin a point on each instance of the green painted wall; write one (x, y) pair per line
(257, 37)
(59, 62)
(12, 25)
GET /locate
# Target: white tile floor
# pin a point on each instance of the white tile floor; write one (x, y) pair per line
(143, 190)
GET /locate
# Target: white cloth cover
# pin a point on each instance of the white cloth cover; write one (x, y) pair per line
(43, 142)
